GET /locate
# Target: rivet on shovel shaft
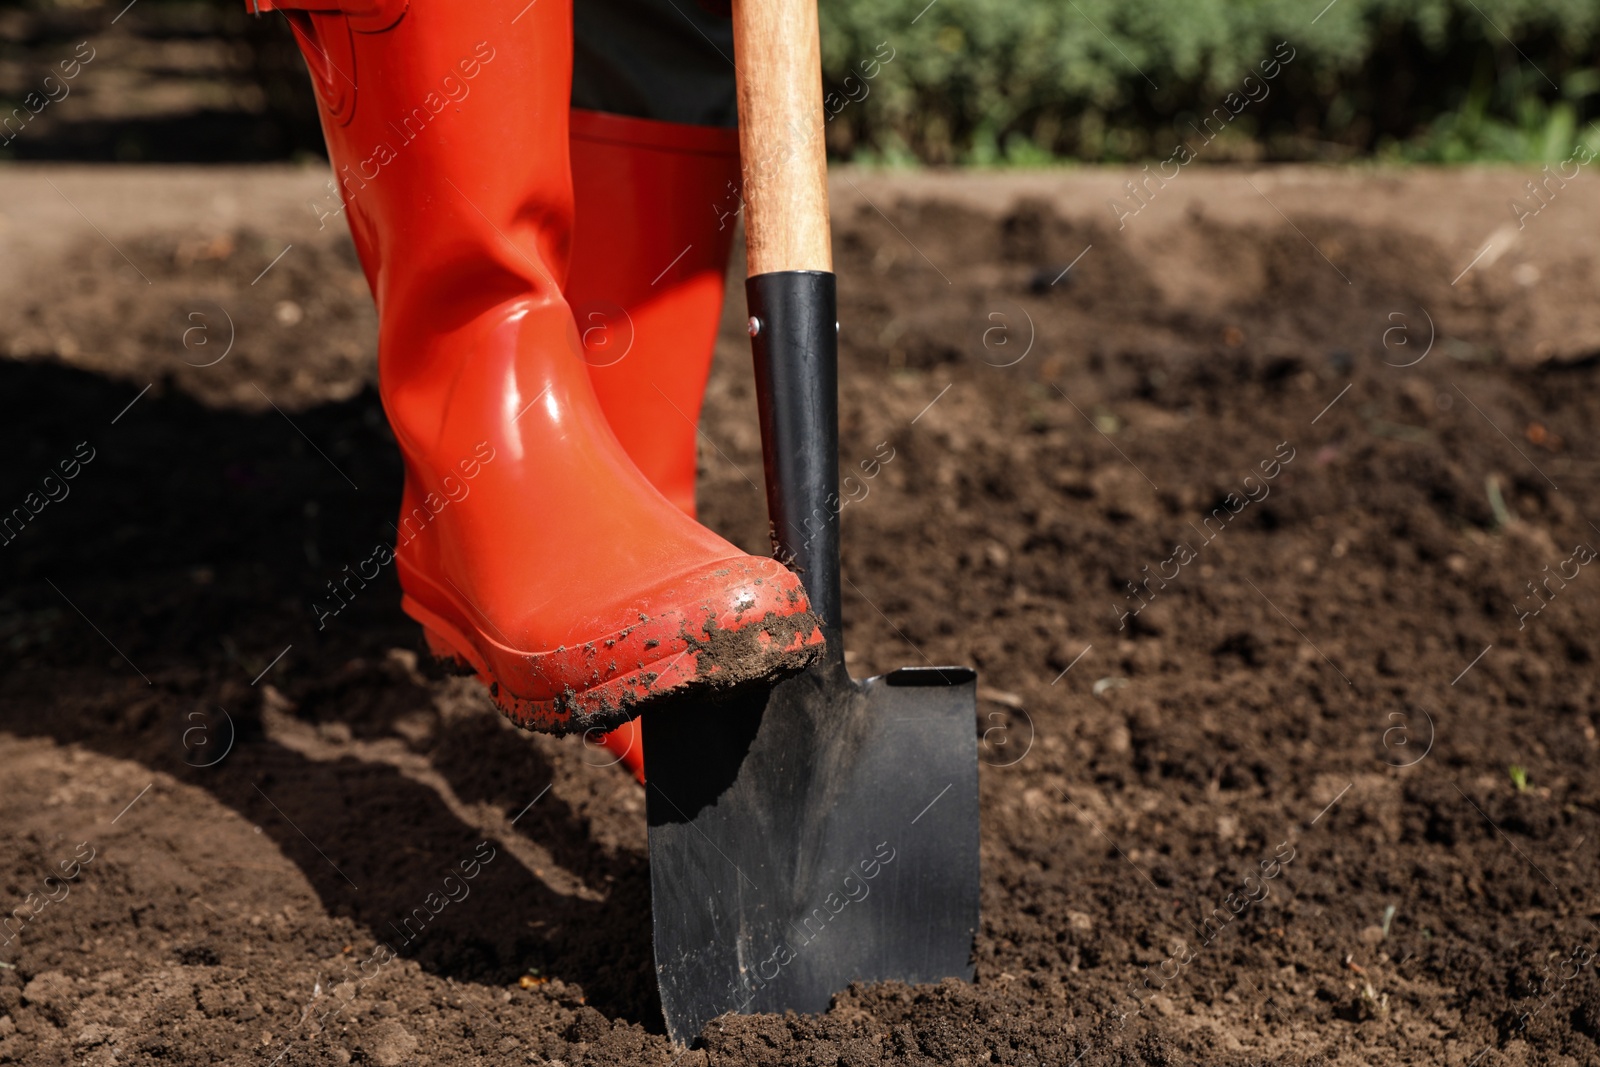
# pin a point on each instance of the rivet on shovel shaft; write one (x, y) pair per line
(754, 326)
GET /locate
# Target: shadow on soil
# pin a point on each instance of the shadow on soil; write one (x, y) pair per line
(195, 541)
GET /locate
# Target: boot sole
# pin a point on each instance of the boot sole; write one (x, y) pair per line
(712, 665)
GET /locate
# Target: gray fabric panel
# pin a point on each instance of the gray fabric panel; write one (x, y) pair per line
(668, 60)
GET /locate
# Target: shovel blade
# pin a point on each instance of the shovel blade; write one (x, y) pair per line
(819, 833)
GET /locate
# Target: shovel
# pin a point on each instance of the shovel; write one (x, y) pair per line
(819, 831)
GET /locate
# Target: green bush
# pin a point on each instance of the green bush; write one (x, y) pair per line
(996, 81)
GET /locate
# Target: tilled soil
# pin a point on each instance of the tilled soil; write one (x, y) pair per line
(1268, 540)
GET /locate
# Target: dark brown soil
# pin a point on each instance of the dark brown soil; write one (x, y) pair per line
(1321, 799)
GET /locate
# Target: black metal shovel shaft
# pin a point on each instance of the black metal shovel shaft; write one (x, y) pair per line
(794, 319)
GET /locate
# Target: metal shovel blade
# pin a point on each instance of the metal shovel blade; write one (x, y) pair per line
(818, 831)
(822, 832)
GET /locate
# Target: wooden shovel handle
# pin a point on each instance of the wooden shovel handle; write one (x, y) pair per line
(779, 64)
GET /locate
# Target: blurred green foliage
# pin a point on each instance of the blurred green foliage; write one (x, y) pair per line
(1027, 81)
(991, 82)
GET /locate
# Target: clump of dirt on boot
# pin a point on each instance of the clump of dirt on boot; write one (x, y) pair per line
(1269, 543)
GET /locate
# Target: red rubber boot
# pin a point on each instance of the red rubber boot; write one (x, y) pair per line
(654, 224)
(531, 549)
